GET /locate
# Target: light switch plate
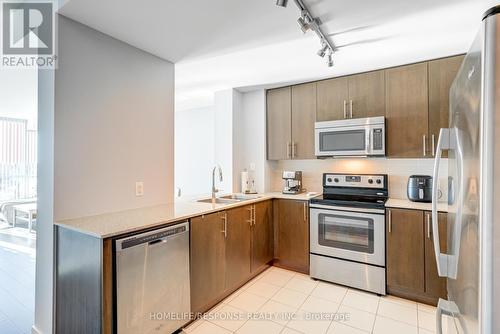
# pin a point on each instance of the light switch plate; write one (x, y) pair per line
(139, 189)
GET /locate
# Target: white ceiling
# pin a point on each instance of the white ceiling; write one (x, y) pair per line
(220, 44)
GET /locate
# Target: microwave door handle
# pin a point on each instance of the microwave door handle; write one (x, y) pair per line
(368, 135)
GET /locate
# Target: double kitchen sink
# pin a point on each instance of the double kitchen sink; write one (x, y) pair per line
(230, 199)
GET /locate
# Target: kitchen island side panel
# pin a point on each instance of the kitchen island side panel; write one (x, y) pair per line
(78, 282)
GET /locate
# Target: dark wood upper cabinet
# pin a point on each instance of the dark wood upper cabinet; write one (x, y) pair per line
(442, 72)
(303, 118)
(355, 96)
(332, 99)
(367, 94)
(434, 285)
(405, 250)
(207, 260)
(407, 116)
(238, 234)
(292, 234)
(262, 235)
(279, 123)
(413, 98)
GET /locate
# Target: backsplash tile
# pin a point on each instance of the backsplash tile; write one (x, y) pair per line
(398, 170)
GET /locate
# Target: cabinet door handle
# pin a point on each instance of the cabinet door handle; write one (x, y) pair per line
(254, 219)
(250, 211)
(305, 212)
(432, 141)
(390, 220)
(350, 107)
(294, 147)
(425, 149)
(224, 219)
(288, 150)
(428, 226)
(345, 109)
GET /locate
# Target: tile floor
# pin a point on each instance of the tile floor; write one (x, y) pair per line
(17, 279)
(282, 301)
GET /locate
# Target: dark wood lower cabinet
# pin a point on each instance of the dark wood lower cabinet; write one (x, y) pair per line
(405, 250)
(228, 248)
(237, 243)
(292, 234)
(207, 260)
(411, 264)
(262, 235)
(434, 285)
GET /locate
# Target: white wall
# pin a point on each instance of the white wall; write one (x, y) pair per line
(250, 139)
(237, 121)
(110, 124)
(114, 124)
(223, 140)
(45, 214)
(194, 151)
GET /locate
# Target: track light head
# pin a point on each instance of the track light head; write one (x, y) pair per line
(322, 51)
(281, 3)
(330, 60)
(303, 24)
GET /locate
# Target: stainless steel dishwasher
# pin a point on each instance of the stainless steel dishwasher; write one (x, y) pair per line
(152, 281)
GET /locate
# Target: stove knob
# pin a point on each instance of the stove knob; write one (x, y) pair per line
(336, 180)
(379, 181)
(329, 179)
(370, 181)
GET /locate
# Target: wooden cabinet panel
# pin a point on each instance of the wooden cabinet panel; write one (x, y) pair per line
(237, 246)
(262, 235)
(292, 244)
(405, 250)
(332, 98)
(367, 94)
(207, 260)
(303, 118)
(279, 122)
(442, 72)
(407, 111)
(435, 286)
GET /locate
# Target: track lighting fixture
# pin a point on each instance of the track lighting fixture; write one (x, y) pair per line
(307, 22)
(281, 3)
(330, 59)
(322, 51)
(303, 24)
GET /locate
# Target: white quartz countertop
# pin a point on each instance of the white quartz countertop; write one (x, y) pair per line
(117, 223)
(407, 204)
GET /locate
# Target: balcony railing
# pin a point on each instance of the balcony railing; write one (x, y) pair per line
(18, 157)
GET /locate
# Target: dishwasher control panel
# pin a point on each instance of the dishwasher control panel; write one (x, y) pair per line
(152, 237)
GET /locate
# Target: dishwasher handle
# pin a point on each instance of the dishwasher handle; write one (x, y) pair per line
(152, 237)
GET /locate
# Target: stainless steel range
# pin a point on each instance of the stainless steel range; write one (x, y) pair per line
(347, 231)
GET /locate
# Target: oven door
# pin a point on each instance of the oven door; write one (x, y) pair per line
(342, 141)
(348, 235)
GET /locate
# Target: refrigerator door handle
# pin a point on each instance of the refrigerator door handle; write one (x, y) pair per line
(441, 259)
(444, 307)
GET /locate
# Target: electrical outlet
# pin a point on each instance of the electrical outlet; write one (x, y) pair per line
(252, 166)
(139, 189)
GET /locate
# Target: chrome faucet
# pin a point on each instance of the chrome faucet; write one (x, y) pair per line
(215, 190)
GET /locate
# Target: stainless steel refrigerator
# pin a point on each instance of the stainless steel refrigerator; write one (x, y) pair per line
(472, 260)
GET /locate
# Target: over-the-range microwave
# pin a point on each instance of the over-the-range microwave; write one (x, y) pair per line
(363, 137)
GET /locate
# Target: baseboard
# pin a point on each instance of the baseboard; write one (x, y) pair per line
(34, 330)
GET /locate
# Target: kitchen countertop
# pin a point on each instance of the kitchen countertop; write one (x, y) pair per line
(117, 223)
(407, 204)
